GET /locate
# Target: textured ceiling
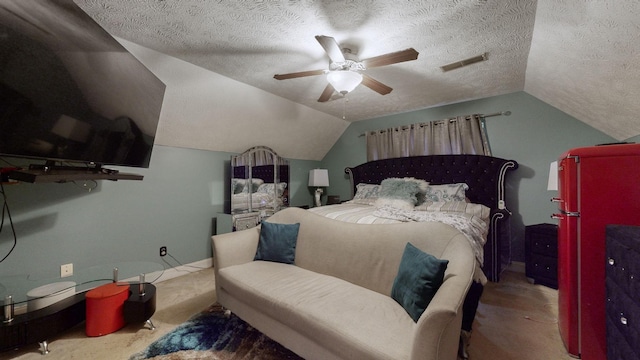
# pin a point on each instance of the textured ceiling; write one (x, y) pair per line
(581, 56)
(250, 41)
(585, 60)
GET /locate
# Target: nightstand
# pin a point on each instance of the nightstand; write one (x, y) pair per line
(227, 223)
(541, 254)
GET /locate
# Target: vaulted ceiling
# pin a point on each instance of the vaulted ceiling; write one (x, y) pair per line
(581, 56)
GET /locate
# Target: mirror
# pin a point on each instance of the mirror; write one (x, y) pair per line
(259, 181)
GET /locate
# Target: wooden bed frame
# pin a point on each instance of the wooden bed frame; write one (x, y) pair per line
(485, 176)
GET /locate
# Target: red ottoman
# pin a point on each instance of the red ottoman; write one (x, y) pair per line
(104, 308)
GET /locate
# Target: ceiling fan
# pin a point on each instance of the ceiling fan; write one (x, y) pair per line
(345, 69)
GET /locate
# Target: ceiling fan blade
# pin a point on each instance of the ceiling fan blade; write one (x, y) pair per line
(375, 85)
(326, 94)
(391, 58)
(298, 74)
(330, 45)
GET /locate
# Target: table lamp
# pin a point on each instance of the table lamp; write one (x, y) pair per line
(318, 178)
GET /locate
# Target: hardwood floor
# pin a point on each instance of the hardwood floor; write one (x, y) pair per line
(517, 320)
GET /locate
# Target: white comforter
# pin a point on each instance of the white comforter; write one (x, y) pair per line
(258, 201)
(470, 219)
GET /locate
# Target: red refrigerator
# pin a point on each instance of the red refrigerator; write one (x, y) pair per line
(597, 185)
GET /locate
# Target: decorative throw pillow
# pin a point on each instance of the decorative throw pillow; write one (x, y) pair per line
(268, 188)
(277, 242)
(252, 186)
(237, 185)
(366, 194)
(400, 193)
(447, 192)
(419, 277)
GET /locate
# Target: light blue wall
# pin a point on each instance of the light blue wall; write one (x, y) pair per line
(534, 135)
(182, 190)
(634, 139)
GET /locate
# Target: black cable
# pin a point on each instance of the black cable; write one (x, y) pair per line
(84, 186)
(5, 209)
(191, 266)
(180, 264)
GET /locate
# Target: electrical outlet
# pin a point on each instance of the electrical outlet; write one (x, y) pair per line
(163, 250)
(66, 270)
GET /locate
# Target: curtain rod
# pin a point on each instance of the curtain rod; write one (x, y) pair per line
(505, 113)
(501, 113)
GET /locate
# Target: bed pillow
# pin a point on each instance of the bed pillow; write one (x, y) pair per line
(366, 194)
(446, 192)
(401, 193)
(252, 186)
(419, 277)
(277, 242)
(237, 185)
(268, 188)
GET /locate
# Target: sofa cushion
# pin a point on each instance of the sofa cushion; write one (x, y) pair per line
(277, 242)
(419, 277)
(357, 322)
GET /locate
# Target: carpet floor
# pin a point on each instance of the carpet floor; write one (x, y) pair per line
(515, 320)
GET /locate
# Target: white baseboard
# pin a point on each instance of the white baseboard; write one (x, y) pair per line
(178, 271)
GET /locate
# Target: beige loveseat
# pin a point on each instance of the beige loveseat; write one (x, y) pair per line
(335, 303)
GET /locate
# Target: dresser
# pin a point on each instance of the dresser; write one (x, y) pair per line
(541, 254)
(227, 223)
(622, 281)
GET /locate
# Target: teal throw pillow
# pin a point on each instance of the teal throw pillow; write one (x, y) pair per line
(277, 242)
(419, 277)
(401, 193)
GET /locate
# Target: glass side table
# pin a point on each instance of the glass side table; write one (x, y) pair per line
(36, 307)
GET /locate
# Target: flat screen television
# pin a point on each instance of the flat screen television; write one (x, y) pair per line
(69, 92)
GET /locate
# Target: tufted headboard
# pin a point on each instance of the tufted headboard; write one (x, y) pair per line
(485, 176)
(264, 172)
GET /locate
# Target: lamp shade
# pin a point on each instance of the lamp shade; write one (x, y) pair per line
(344, 81)
(553, 177)
(319, 177)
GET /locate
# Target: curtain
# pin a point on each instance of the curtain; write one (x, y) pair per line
(460, 135)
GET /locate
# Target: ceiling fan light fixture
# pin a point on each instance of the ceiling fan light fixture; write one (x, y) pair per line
(344, 81)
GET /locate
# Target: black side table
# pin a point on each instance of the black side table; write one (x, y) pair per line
(39, 325)
(541, 254)
(139, 308)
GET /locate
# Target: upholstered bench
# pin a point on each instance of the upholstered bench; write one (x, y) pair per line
(104, 307)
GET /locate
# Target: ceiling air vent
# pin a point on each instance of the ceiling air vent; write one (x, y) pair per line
(465, 62)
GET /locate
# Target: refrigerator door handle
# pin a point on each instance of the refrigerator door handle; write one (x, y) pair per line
(570, 213)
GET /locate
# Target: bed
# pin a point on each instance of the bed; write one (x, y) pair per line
(484, 175)
(483, 201)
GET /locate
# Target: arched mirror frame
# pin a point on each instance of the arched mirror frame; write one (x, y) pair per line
(260, 162)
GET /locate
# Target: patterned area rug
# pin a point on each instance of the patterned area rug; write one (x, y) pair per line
(213, 335)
